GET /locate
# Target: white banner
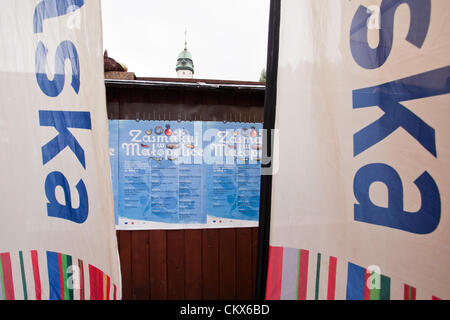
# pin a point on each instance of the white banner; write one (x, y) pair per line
(57, 234)
(361, 200)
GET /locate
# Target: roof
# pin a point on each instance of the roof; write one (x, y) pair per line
(207, 84)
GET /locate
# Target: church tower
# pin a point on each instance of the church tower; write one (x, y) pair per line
(185, 65)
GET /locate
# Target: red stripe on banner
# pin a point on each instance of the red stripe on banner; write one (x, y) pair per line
(435, 298)
(303, 275)
(7, 276)
(366, 286)
(406, 292)
(61, 276)
(100, 288)
(96, 283)
(413, 293)
(36, 274)
(115, 289)
(108, 287)
(332, 278)
(92, 283)
(274, 273)
(80, 265)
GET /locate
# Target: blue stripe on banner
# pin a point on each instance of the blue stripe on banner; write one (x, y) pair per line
(53, 275)
(355, 282)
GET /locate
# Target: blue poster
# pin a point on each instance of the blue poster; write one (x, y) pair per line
(232, 163)
(114, 156)
(185, 172)
(160, 172)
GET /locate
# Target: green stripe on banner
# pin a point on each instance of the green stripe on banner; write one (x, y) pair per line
(64, 275)
(374, 292)
(24, 281)
(385, 292)
(319, 256)
(2, 282)
(69, 265)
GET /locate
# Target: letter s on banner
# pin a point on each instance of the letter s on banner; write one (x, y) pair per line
(370, 58)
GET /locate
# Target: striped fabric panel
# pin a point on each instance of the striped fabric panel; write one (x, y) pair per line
(53, 276)
(22, 273)
(82, 290)
(331, 292)
(324, 270)
(60, 273)
(273, 286)
(409, 292)
(2, 290)
(289, 274)
(297, 274)
(99, 284)
(359, 287)
(59, 267)
(6, 278)
(355, 282)
(317, 282)
(36, 275)
(302, 284)
(95, 283)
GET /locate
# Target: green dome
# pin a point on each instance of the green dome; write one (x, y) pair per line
(184, 61)
(185, 55)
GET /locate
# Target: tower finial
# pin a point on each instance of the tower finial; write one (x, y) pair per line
(185, 38)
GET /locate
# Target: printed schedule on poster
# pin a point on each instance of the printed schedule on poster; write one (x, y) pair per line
(175, 175)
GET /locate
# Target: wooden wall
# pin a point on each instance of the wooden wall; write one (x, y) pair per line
(187, 264)
(207, 264)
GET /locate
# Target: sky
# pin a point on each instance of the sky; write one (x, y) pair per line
(227, 38)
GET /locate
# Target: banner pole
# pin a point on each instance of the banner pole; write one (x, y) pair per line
(269, 124)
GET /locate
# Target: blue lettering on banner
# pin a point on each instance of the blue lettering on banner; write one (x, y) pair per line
(388, 97)
(52, 88)
(57, 210)
(424, 221)
(61, 120)
(47, 9)
(373, 58)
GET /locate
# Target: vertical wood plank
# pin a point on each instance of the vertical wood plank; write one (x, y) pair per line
(125, 264)
(158, 265)
(140, 265)
(210, 264)
(175, 264)
(227, 264)
(244, 264)
(193, 264)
